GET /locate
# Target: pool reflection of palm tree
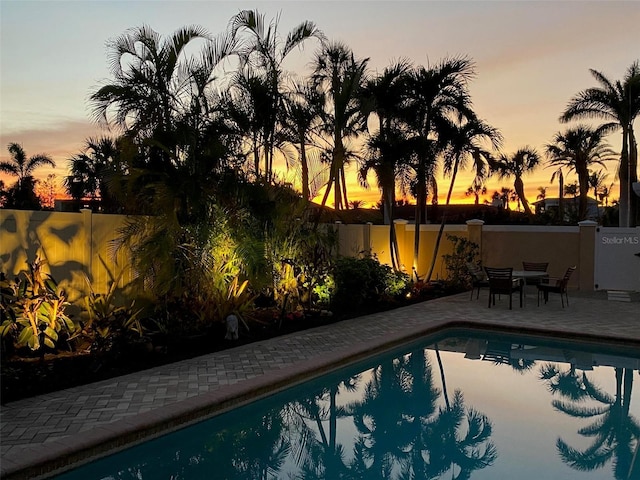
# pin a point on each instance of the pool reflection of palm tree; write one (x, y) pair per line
(254, 451)
(615, 432)
(403, 433)
(324, 456)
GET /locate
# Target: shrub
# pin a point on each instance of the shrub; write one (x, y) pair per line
(464, 251)
(364, 283)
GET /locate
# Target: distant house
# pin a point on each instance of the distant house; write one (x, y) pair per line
(570, 204)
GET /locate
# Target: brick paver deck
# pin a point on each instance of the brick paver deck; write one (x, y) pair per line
(45, 433)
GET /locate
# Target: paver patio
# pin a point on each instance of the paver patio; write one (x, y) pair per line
(45, 433)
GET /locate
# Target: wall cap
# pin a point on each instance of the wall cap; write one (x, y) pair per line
(475, 221)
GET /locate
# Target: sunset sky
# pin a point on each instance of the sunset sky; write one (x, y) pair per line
(531, 58)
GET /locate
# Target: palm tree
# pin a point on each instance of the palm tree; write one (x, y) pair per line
(578, 149)
(301, 121)
(387, 146)
(542, 193)
(524, 161)
(476, 189)
(340, 75)
(617, 102)
(93, 169)
(464, 141)
(22, 167)
(560, 176)
(147, 95)
(261, 56)
(436, 96)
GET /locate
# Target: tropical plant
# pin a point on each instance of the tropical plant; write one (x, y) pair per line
(261, 57)
(388, 149)
(579, 149)
(338, 73)
(455, 263)
(437, 95)
(476, 189)
(33, 310)
(464, 141)
(111, 319)
(303, 108)
(542, 193)
(22, 194)
(92, 170)
(617, 102)
(364, 281)
(524, 161)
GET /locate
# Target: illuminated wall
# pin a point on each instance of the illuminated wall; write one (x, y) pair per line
(74, 244)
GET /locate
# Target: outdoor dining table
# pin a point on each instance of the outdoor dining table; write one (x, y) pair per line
(523, 275)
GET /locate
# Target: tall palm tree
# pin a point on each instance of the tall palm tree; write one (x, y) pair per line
(146, 96)
(559, 174)
(23, 168)
(465, 140)
(579, 149)
(524, 161)
(340, 75)
(476, 189)
(91, 171)
(617, 102)
(262, 55)
(387, 146)
(301, 121)
(437, 96)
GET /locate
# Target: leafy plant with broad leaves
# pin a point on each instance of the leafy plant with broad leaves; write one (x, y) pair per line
(33, 309)
(111, 321)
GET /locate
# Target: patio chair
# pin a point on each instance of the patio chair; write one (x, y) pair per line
(501, 281)
(556, 285)
(535, 267)
(478, 278)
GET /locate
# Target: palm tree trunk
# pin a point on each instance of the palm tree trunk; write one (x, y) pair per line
(305, 170)
(623, 174)
(442, 222)
(634, 207)
(518, 185)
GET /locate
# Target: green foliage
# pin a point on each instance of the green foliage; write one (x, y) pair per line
(32, 310)
(364, 282)
(464, 251)
(301, 265)
(111, 322)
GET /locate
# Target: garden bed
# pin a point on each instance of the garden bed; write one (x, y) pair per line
(26, 374)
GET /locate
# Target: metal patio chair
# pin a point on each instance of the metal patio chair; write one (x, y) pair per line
(501, 281)
(535, 267)
(478, 278)
(556, 285)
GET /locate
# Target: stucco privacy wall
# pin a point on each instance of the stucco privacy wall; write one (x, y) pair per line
(73, 243)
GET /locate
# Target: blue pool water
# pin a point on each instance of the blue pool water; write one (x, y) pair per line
(466, 405)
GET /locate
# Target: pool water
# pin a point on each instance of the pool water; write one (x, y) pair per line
(466, 405)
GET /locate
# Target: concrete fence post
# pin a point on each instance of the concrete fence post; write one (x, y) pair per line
(587, 245)
(474, 233)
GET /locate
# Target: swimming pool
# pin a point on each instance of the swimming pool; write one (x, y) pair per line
(462, 405)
